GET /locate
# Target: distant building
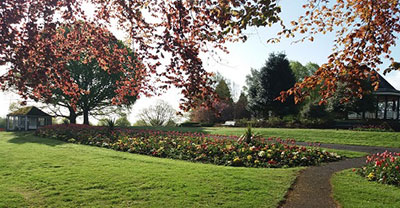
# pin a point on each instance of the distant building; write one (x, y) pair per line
(387, 104)
(27, 118)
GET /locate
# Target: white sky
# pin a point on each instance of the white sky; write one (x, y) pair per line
(242, 57)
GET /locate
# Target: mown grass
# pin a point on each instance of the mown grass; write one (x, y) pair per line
(384, 139)
(352, 190)
(38, 172)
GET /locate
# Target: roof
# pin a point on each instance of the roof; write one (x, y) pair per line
(28, 111)
(385, 88)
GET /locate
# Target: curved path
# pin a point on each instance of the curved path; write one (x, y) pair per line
(312, 187)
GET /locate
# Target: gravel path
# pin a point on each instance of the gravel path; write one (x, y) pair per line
(312, 187)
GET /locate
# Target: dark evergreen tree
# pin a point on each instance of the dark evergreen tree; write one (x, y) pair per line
(265, 86)
(223, 91)
(241, 107)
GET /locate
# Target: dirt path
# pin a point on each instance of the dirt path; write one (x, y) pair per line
(312, 187)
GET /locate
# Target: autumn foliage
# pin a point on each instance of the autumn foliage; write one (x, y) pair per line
(169, 36)
(365, 33)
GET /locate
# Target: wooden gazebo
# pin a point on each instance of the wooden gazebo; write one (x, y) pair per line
(27, 118)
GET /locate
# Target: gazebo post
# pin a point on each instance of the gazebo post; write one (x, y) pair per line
(385, 113)
(398, 108)
(26, 123)
(377, 107)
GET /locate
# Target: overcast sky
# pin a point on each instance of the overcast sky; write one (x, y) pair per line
(244, 56)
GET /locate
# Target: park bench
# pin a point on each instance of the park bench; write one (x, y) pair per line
(229, 123)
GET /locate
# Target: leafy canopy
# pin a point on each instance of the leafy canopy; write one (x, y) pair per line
(178, 31)
(264, 87)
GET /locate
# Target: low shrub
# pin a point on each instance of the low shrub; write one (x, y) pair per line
(383, 168)
(286, 122)
(384, 127)
(190, 124)
(215, 149)
(206, 124)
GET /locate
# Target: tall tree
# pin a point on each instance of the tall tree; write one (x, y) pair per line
(122, 121)
(97, 87)
(267, 84)
(300, 71)
(240, 107)
(183, 29)
(223, 92)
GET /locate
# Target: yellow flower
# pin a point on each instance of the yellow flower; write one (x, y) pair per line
(256, 161)
(269, 151)
(249, 157)
(371, 176)
(236, 160)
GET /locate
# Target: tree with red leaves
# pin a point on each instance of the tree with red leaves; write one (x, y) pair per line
(177, 31)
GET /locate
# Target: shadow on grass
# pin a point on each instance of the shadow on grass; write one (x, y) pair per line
(23, 138)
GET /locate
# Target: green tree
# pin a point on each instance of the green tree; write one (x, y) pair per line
(313, 110)
(122, 121)
(300, 71)
(311, 68)
(341, 103)
(223, 91)
(309, 104)
(98, 87)
(241, 107)
(265, 86)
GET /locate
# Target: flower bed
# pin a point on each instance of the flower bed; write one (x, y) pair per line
(382, 167)
(215, 149)
(378, 128)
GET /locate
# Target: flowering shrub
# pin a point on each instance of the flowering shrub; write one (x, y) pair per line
(378, 128)
(215, 149)
(382, 167)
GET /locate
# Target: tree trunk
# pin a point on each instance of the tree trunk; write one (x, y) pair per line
(72, 116)
(86, 117)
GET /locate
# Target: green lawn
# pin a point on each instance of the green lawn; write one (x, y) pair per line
(351, 190)
(37, 172)
(384, 139)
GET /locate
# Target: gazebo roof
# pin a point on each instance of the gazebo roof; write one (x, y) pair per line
(385, 88)
(28, 111)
